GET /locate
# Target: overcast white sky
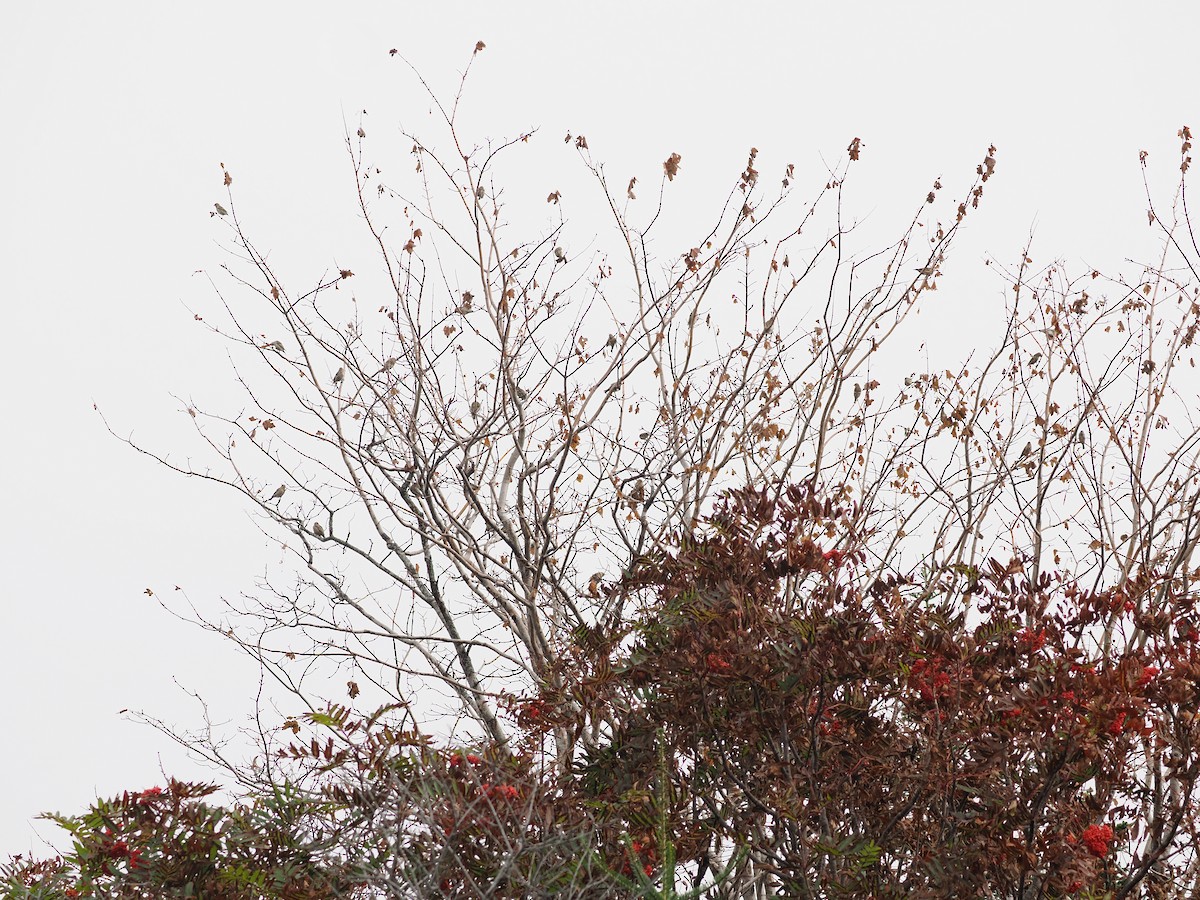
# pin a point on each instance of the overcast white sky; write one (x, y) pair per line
(115, 117)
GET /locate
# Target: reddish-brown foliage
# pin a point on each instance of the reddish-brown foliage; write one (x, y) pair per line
(974, 735)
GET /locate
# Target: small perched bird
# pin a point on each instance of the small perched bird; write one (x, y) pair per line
(1027, 451)
(474, 408)
(279, 492)
(560, 255)
(318, 529)
(221, 211)
(276, 346)
(340, 375)
(594, 584)
(387, 366)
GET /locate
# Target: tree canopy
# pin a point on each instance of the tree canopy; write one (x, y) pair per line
(649, 568)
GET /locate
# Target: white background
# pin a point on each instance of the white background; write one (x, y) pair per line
(115, 117)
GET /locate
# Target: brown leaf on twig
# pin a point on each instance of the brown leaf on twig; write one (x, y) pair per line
(672, 166)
